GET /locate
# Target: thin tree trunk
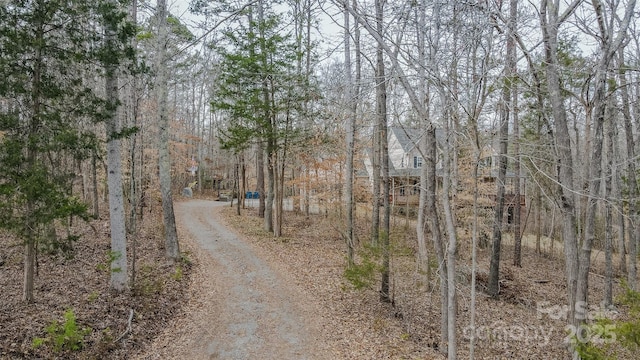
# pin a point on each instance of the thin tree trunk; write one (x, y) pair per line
(634, 208)
(94, 178)
(423, 93)
(494, 268)
(271, 174)
(550, 22)
(617, 190)
(538, 218)
(171, 236)
(236, 184)
(436, 233)
(133, 180)
(608, 230)
(381, 101)
(350, 136)
(452, 240)
(243, 177)
(474, 241)
(30, 245)
(375, 213)
(260, 179)
(511, 55)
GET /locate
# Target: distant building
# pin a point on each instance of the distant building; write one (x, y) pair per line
(406, 161)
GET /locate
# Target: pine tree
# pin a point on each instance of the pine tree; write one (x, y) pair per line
(45, 50)
(259, 89)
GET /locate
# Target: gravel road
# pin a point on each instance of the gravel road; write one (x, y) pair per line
(241, 307)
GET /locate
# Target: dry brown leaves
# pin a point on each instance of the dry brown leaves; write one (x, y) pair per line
(81, 283)
(528, 322)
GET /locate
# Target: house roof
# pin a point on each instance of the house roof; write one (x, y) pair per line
(409, 137)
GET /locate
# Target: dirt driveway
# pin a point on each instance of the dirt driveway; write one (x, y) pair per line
(240, 306)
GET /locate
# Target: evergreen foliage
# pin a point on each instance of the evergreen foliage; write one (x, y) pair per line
(257, 84)
(44, 97)
(49, 51)
(612, 339)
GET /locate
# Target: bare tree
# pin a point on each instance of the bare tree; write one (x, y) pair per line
(513, 73)
(608, 47)
(608, 230)
(503, 138)
(171, 235)
(578, 264)
(634, 208)
(350, 136)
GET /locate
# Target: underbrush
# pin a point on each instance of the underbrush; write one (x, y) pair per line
(75, 314)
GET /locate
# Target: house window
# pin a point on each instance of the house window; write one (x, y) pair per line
(486, 162)
(417, 162)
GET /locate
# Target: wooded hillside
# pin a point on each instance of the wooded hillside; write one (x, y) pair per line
(461, 144)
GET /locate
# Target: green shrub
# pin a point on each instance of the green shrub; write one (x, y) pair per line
(609, 337)
(362, 275)
(63, 336)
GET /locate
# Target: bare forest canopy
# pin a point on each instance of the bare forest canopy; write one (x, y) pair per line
(478, 122)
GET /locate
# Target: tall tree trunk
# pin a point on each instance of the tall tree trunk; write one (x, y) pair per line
(381, 101)
(30, 238)
(436, 233)
(513, 73)
(423, 93)
(114, 174)
(608, 230)
(634, 207)
(451, 235)
(617, 193)
(350, 136)
(133, 179)
(550, 22)
(474, 239)
(494, 268)
(270, 131)
(171, 235)
(432, 193)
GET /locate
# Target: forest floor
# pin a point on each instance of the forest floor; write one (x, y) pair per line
(108, 325)
(242, 294)
(339, 322)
